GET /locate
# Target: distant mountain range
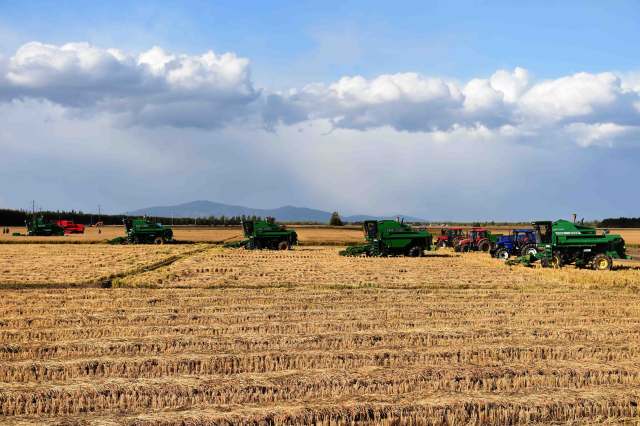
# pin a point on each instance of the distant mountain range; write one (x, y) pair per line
(203, 208)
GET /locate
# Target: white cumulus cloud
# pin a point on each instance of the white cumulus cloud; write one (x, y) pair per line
(153, 87)
(159, 88)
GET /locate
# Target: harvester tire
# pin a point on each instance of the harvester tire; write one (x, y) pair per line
(283, 245)
(158, 240)
(529, 249)
(602, 262)
(556, 261)
(503, 254)
(415, 251)
(484, 245)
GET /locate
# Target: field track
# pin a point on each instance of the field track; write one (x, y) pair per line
(230, 336)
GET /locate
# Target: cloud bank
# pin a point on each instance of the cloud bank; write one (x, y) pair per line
(157, 88)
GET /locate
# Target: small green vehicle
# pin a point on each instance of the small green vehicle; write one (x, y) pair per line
(143, 231)
(391, 238)
(563, 243)
(265, 234)
(38, 227)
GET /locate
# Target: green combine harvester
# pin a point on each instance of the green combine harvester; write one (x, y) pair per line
(390, 238)
(143, 231)
(564, 243)
(38, 227)
(265, 234)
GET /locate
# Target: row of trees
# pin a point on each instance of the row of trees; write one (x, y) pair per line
(9, 217)
(620, 222)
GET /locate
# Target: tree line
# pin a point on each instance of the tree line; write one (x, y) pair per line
(10, 217)
(620, 222)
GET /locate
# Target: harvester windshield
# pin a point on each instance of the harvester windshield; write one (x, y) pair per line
(247, 227)
(370, 229)
(543, 232)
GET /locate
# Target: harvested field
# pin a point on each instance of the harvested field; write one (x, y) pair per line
(305, 336)
(51, 264)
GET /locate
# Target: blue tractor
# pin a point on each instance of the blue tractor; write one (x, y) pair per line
(520, 242)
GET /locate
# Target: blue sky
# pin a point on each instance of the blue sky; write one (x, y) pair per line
(546, 95)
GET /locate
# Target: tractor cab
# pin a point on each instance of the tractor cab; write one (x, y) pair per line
(450, 236)
(477, 239)
(476, 234)
(543, 231)
(523, 236)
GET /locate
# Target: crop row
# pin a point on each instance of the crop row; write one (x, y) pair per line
(141, 395)
(236, 363)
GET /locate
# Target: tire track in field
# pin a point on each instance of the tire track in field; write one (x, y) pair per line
(107, 281)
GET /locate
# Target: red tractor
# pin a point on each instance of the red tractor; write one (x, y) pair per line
(477, 239)
(70, 227)
(449, 237)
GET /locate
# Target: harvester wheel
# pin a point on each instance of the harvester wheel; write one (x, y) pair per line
(485, 245)
(556, 261)
(529, 249)
(158, 240)
(602, 262)
(503, 254)
(415, 251)
(283, 245)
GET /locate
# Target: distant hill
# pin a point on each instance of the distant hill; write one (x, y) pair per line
(203, 208)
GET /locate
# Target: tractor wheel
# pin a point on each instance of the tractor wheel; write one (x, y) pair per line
(415, 251)
(485, 245)
(158, 240)
(602, 262)
(503, 254)
(283, 245)
(556, 261)
(463, 248)
(529, 249)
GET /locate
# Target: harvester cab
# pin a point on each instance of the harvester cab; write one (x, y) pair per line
(390, 238)
(266, 234)
(543, 231)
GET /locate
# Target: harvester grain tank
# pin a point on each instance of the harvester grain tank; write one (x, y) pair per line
(266, 234)
(563, 242)
(143, 231)
(38, 227)
(391, 238)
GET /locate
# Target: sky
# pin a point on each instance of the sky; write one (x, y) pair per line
(474, 110)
